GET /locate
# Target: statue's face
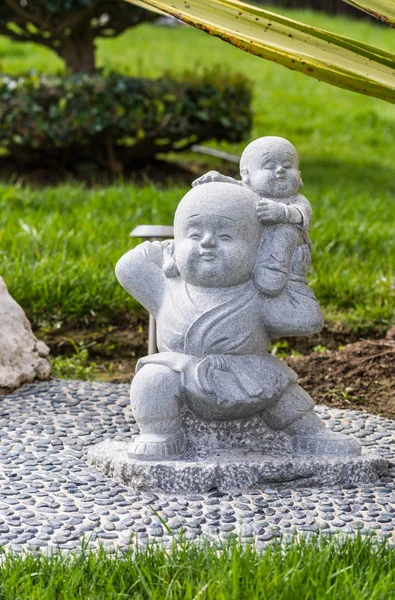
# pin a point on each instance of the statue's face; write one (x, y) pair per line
(274, 172)
(217, 235)
(215, 250)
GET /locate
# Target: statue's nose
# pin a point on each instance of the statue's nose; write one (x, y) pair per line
(208, 241)
(280, 170)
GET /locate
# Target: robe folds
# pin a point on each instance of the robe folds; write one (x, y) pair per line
(216, 339)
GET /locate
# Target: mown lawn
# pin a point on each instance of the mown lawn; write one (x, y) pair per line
(58, 245)
(352, 570)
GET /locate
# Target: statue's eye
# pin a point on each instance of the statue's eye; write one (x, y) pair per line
(287, 165)
(225, 236)
(194, 236)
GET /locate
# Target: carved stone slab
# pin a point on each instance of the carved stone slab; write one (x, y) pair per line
(233, 469)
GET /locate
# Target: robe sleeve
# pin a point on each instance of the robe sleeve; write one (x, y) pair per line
(295, 312)
(140, 273)
(303, 206)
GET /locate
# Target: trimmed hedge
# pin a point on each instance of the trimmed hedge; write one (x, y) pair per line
(115, 120)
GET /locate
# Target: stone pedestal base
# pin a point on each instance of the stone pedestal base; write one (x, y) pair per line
(233, 469)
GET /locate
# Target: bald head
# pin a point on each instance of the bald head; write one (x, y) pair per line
(224, 200)
(261, 148)
(217, 235)
(270, 167)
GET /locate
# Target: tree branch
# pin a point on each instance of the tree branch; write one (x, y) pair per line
(77, 17)
(28, 37)
(26, 16)
(99, 31)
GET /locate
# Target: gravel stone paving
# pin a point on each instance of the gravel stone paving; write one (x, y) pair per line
(52, 500)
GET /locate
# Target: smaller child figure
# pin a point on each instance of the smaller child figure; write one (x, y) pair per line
(270, 167)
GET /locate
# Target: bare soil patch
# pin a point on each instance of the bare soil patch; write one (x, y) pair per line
(359, 376)
(346, 372)
(114, 349)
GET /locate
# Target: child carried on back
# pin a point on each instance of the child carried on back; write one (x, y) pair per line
(270, 167)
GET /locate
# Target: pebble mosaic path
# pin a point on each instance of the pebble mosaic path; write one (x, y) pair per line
(52, 500)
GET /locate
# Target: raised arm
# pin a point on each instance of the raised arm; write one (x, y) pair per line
(215, 176)
(140, 272)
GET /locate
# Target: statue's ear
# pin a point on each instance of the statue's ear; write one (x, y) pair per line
(245, 176)
(169, 264)
(301, 180)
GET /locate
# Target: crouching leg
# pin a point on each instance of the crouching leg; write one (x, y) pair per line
(156, 405)
(294, 414)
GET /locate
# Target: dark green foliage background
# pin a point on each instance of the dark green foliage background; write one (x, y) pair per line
(70, 119)
(54, 9)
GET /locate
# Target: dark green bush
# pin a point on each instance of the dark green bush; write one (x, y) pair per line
(115, 120)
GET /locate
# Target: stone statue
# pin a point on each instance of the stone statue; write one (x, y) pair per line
(270, 167)
(232, 279)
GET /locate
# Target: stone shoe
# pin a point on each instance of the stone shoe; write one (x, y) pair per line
(325, 443)
(157, 447)
(271, 281)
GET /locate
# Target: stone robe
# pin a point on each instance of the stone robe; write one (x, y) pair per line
(217, 339)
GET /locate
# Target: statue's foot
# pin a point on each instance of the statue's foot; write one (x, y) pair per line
(325, 443)
(271, 281)
(157, 446)
(311, 437)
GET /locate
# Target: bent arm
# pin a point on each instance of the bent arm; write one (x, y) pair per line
(227, 179)
(215, 176)
(140, 273)
(300, 212)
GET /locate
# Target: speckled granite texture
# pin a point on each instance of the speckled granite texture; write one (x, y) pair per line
(231, 470)
(51, 499)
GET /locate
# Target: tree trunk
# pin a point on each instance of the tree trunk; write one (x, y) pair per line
(78, 52)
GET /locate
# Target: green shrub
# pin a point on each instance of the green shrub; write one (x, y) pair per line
(115, 120)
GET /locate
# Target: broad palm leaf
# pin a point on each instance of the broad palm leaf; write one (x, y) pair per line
(329, 57)
(381, 9)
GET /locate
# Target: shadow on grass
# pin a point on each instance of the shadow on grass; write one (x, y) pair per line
(175, 172)
(373, 177)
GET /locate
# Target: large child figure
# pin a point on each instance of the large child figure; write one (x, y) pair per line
(214, 328)
(270, 167)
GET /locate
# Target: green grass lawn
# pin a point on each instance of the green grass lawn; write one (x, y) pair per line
(352, 570)
(58, 246)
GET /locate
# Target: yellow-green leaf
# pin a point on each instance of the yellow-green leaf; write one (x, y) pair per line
(329, 57)
(381, 9)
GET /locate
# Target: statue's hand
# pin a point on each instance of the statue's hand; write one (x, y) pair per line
(270, 212)
(208, 177)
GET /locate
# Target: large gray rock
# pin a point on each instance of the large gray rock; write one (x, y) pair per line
(22, 355)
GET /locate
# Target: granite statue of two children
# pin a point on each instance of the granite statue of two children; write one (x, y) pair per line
(233, 278)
